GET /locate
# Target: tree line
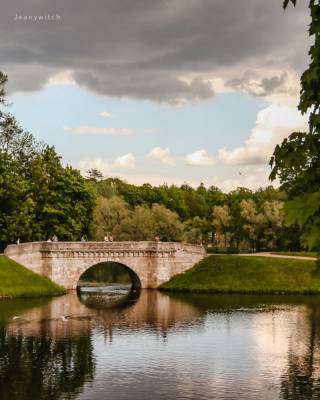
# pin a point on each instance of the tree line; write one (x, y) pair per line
(242, 220)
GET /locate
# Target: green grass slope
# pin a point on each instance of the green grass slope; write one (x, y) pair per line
(18, 281)
(261, 275)
(296, 253)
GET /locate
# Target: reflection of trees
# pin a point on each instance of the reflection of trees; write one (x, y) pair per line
(43, 368)
(302, 378)
(100, 301)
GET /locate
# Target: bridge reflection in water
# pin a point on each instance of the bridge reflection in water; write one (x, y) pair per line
(146, 308)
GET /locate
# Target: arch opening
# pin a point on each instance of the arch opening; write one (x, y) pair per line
(108, 284)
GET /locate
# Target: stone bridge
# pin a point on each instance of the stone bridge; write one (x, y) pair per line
(148, 263)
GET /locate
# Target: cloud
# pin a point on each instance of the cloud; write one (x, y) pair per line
(107, 167)
(271, 84)
(199, 158)
(162, 155)
(251, 83)
(105, 114)
(144, 49)
(127, 161)
(273, 124)
(249, 177)
(96, 163)
(94, 130)
(62, 78)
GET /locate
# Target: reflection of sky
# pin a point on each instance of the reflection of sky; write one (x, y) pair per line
(230, 356)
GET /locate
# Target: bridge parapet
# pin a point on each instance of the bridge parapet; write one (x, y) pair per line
(151, 263)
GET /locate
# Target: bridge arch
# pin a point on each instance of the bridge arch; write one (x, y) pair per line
(135, 280)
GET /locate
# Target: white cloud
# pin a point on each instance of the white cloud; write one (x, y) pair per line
(273, 124)
(62, 78)
(94, 130)
(162, 155)
(199, 158)
(126, 161)
(249, 177)
(97, 163)
(106, 114)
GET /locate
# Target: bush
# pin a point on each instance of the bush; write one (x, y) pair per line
(227, 250)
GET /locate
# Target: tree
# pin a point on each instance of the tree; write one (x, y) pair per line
(63, 200)
(15, 141)
(168, 225)
(94, 175)
(234, 199)
(198, 229)
(16, 208)
(139, 225)
(255, 222)
(222, 221)
(38, 196)
(193, 235)
(108, 215)
(273, 211)
(297, 160)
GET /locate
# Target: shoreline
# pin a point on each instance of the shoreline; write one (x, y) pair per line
(18, 282)
(258, 275)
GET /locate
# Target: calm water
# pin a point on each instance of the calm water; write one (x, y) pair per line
(156, 346)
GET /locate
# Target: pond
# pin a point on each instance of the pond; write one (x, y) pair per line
(112, 343)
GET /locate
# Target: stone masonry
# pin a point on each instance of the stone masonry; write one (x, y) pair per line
(148, 263)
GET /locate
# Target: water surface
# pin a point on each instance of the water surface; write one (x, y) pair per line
(111, 344)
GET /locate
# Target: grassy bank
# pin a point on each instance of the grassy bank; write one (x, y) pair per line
(234, 274)
(18, 281)
(296, 253)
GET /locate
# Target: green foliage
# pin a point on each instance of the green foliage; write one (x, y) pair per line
(240, 274)
(108, 215)
(113, 217)
(18, 281)
(167, 223)
(297, 160)
(178, 219)
(296, 210)
(38, 196)
(94, 175)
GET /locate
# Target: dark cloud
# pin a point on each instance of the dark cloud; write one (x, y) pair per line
(263, 87)
(142, 48)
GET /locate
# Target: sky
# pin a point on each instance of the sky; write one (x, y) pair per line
(166, 91)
